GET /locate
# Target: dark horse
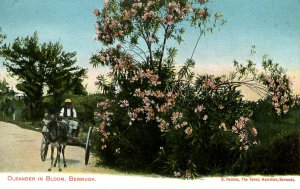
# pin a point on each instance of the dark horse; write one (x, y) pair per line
(57, 136)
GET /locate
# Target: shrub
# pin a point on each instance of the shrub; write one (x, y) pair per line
(154, 118)
(278, 149)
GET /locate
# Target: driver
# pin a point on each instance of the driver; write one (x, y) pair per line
(68, 112)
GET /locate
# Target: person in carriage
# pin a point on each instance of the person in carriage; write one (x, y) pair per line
(69, 115)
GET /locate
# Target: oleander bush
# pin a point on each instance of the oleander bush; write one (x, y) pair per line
(157, 118)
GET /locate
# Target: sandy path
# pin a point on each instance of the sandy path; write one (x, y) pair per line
(20, 152)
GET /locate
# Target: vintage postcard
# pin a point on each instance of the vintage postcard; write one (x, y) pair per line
(149, 93)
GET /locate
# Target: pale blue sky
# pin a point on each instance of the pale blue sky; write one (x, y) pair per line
(273, 26)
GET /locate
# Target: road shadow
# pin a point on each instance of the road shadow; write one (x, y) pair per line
(68, 161)
(72, 161)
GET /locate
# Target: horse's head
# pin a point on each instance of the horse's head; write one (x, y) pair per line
(52, 133)
(57, 131)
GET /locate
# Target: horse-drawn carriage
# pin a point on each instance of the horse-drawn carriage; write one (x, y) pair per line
(56, 133)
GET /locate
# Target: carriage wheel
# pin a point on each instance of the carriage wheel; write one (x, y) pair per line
(88, 146)
(44, 149)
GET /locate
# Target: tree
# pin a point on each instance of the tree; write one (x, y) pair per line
(143, 74)
(61, 76)
(6, 98)
(37, 66)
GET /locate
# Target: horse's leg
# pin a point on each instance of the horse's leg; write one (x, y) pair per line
(63, 153)
(55, 162)
(58, 157)
(52, 158)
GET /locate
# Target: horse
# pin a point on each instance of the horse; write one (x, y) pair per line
(57, 136)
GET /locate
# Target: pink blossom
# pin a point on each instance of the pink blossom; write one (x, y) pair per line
(148, 15)
(241, 122)
(188, 174)
(201, 13)
(242, 137)
(159, 94)
(184, 123)
(138, 110)
(150, 40)
(221, 107)
(123, 103)
(177, 174)
(96, 12)
(126, 27)
(146, 101)
(135, 78)
(121, 33)
(118, 150)
(170, 19)
(126, 15)
(154, 80)
(133, 12)
(138, 5)
(253, 131)
(199, 108)
(188, 131)
(163, 125)
(132, 115)
(278, 110)
(285, 108)
(223, 79)
(96, 82)
(234, 129)
(102, 58)
(223, 126)
(275, 98)
(96, 114)
(148, 92)
(176, 116)
(162, 20)
(105, 2)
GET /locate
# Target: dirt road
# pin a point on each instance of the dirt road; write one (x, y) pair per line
(20, 152)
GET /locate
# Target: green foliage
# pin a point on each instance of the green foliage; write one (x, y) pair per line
(23, 55)
(6, 99)
(85, 106)
(278, 147)
(2, 36)
(289, 156)
(277, 154)
(263, 112)
(38, 65)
